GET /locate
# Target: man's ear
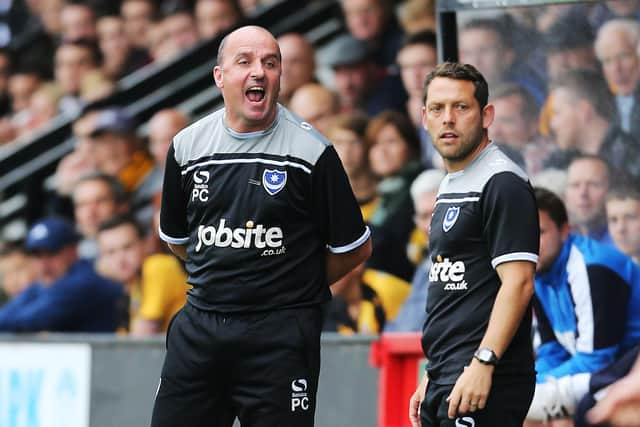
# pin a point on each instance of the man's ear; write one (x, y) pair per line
(423, 115)
(217, 76)
(488, 114)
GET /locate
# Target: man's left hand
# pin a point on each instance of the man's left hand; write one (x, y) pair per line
(471, 390)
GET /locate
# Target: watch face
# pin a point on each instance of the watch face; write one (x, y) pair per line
(484, 354)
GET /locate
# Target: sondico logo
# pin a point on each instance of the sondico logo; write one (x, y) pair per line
(252, 235)
(200, 187)
(465, 422)
(299, 397)
(451, 273)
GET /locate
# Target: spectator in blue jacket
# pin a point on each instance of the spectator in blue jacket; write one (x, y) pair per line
(587, 303)
(68, 295)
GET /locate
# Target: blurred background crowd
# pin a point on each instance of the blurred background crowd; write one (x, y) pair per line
(564, 79)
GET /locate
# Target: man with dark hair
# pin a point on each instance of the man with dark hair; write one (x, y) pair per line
(119, 56)
(587, 300)
(483, 246)
(374, 22)
(485, 44)
(582, 120)
(623, 219)
(24, 81)
(138, 15)
(96, 197)
(67, 295)
(516, 125)
(77, 21)
(16, 272)
(74, 60)
(418, 55)
(181, 28)
(360, 83)
(568, 44)
(155, 284)
(116, 151)
(258, 205)
(213, 17)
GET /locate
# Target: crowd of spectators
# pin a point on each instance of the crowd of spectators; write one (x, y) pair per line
(100, 231)
(564, 80)
(64, 54)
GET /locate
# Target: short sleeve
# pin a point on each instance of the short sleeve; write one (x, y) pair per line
(335, 210)
(173, 211)
(510, 218)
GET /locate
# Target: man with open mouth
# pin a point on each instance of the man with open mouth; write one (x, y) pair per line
(258, 205)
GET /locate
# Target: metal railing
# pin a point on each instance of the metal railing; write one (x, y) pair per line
(184, 82)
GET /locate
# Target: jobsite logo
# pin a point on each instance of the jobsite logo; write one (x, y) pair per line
(251, 235)
(449, 273)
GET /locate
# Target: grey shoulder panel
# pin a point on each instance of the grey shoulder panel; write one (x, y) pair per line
(490, 162)
(305, 142)
(289, 136)
(200, 139)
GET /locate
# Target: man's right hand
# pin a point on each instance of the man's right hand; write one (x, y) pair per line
(416, 401)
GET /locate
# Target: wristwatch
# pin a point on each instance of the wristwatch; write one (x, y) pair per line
(486, 356)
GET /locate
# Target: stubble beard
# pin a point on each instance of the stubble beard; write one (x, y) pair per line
(468, 144)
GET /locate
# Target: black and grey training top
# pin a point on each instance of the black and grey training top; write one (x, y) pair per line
(484, 215)
(257, 212)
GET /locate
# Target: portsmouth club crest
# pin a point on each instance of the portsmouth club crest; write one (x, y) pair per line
(450, 218)
(273, 181)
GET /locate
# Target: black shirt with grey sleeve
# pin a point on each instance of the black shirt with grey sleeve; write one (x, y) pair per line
(485, 215)
(258, 212)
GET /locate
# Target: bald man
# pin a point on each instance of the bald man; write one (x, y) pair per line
(258, 205)
(315, 104)
(163, 126)
(298, 64)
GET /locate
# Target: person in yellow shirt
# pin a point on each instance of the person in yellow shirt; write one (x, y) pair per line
(156, 284)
